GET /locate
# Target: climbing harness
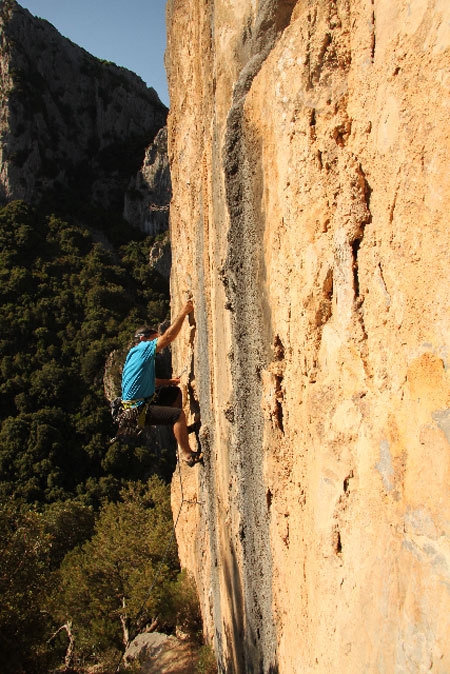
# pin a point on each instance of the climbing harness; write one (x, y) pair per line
(129, 416)
(131, 404)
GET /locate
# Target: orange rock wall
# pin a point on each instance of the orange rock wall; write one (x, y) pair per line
(309, 148)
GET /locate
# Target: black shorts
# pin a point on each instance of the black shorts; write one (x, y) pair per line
(161, 411)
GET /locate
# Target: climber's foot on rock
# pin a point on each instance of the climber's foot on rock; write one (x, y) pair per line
(193, 458)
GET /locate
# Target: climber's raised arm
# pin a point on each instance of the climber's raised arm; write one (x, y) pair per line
(173, 330)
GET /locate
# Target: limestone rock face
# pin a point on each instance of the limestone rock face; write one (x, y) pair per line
(149, 192)
(309, 149)
(69, 123)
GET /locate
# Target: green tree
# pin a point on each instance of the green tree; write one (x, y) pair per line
(32, 545)
(24, 575)
(119, 581)
(66, 303)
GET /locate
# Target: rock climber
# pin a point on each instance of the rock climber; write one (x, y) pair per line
(148, 401)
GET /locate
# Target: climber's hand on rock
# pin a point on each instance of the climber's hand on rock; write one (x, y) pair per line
(188, 307)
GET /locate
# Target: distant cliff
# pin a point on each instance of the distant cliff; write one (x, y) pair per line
(309, 147)
(72, 127)
(148, 195)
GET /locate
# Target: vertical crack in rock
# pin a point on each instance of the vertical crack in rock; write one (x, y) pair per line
(373, 37)
(276, 368)
(336, 540)
(355, 249)
(365, 192)
(311, 22)
(279, 399)
(324, 308)
(245, 280)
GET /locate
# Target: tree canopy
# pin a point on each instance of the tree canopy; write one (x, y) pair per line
(77, 586)
(67, 301)
(85, 526)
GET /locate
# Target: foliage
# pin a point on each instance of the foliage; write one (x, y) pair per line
(23, 566)
(84, 552)
(66, 303)
(206, 662)
(106, 580)
(120, 580)
(182, 604)
(32, 545)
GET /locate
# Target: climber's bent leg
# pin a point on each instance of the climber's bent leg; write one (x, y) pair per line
(158, 415)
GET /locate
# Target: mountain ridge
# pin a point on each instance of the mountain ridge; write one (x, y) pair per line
(73, 128)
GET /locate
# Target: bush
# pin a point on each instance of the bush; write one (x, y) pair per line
(206, 663)
(121, 579)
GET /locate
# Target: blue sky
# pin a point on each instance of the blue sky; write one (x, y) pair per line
(131, 33)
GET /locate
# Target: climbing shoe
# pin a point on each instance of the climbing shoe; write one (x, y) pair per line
(196, 457)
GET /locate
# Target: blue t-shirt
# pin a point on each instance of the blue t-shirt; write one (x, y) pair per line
(138, 376)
